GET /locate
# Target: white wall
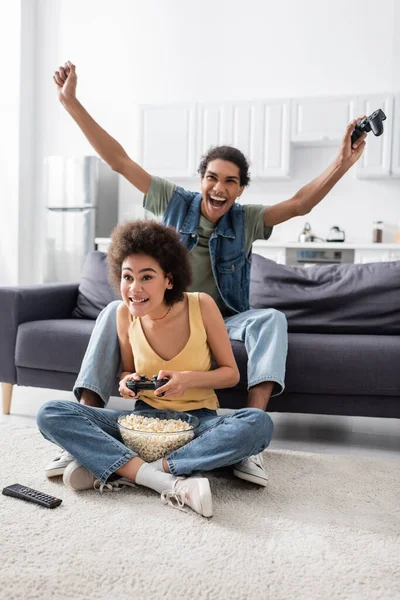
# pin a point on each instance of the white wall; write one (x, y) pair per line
(29, 216)
(17, 150)
(130, 52)
(9, 146)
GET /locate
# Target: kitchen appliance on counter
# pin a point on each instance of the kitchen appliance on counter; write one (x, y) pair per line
(306, 235)
(307, 257)
(336, 234)
(81, 198)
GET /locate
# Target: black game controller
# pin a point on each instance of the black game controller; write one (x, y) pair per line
(146, 384)
(372, 123)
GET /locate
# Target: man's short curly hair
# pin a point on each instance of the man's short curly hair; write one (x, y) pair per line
(158, 241)
(230, 154)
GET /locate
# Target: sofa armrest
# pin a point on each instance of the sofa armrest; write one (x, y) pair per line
(30, 303)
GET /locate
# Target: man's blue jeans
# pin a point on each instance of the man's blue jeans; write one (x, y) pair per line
(92, 436)
(263, 331)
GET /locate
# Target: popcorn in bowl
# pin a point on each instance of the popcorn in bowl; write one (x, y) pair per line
(154, 433)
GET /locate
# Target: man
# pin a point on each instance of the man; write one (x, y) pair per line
(219, 234)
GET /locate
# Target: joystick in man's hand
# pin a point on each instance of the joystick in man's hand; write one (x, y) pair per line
(372, 123)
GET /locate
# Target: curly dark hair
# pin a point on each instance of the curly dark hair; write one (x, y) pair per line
(158, 241)
(230, 154)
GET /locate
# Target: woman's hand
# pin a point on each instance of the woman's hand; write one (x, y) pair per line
(125, 391)
(65, 79)
(177, 385)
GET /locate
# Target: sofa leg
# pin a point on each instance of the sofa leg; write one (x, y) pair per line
(7, 390)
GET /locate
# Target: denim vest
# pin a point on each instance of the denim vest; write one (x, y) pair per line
(230, 266)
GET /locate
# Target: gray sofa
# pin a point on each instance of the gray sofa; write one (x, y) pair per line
(343, 320)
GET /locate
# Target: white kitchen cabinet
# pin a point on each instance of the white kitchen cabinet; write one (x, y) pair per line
(370, 256)
(363, 253)
(167, 140)
(395, 167)
(261, 130)
(271, 156)
(275, 253)
(227, 123)
(244, 120)
(394, 254)
(375, 162)
(213, 127)
(175, 136)
(321, 121)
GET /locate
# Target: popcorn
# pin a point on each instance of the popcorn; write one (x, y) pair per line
(152, 438)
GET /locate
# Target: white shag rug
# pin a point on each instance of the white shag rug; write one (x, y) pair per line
(326, 527)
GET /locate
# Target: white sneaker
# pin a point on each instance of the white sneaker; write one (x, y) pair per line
(57, 466)
(192, 491)
(77, 477)
(252, 469)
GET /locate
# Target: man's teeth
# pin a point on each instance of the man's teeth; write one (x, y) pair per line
(218, 199)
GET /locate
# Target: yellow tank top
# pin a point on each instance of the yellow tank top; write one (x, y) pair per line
(195, 356)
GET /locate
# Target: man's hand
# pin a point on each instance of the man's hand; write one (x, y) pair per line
(177, 385)
(65, 79)
(349, 154)
(125, 391)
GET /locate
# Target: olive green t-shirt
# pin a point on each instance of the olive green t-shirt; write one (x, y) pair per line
(156, 201)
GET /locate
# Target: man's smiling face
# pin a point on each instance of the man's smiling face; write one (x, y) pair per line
(220, 187)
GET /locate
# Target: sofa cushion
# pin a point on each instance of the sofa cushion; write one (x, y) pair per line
(343, 364)
(338, 361)
(335, 364)
(348, 298)
(54, 345)
(94, 292)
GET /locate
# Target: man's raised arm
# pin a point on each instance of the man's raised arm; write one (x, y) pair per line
(311, 194)
(106, 146)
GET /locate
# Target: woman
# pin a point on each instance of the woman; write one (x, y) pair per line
(165, 330)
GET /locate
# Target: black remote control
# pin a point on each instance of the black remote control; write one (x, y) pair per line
(25, 493)
(146, 384)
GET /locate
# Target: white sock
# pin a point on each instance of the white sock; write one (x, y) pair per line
(158, 464)
(151, 477)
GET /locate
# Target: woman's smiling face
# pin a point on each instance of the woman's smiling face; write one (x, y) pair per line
(143, 285)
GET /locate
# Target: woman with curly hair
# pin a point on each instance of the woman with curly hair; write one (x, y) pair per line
(165, 330)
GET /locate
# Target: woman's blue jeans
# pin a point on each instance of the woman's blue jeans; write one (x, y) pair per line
(263, 331)
(92, 436)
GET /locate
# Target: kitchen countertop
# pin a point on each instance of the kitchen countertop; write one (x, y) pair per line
(334, 245)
